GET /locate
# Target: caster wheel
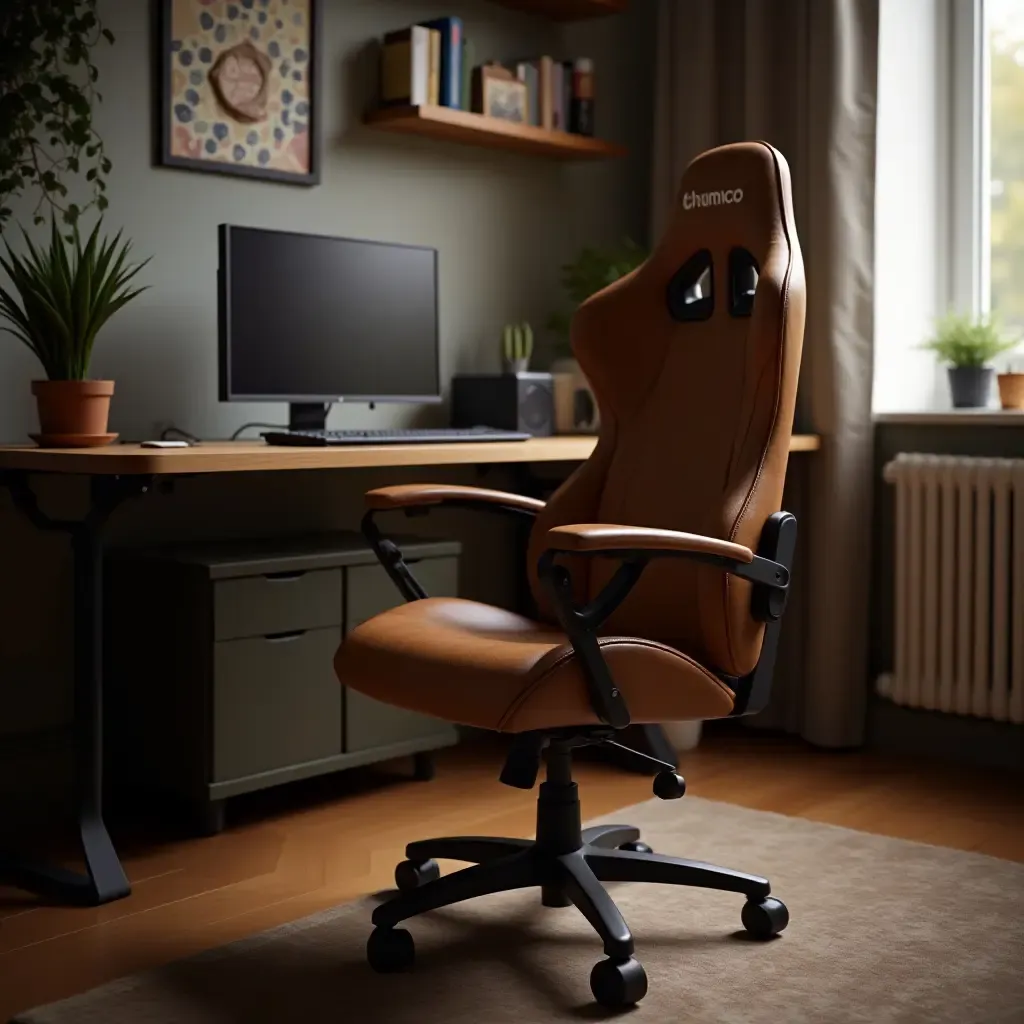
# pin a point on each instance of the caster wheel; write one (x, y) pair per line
(617, 984)
(766, 919)
(636, 847)
(669, 785)
(390, 949)
(409, 876)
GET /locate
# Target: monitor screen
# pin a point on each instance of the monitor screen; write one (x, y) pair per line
(307, 318)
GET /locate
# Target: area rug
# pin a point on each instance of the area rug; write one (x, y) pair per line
(882, 931)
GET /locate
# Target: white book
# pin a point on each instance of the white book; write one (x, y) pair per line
(420, 66)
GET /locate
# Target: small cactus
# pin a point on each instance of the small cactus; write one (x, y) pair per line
(517, 344)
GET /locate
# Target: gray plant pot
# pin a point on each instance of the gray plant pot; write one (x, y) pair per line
(970, 386)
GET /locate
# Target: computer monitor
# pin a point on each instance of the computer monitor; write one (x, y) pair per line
(311, 320)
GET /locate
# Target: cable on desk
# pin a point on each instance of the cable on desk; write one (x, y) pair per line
(246, 426)
(168, 433)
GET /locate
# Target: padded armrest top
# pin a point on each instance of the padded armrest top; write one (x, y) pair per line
(409, 495)
(608, 537)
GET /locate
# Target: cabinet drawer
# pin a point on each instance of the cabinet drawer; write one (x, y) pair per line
(369, 591)
(276, 702)
(254, 606)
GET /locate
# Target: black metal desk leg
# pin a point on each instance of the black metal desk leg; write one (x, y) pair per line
(104, 879)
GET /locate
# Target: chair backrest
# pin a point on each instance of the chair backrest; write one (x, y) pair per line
(693, 359)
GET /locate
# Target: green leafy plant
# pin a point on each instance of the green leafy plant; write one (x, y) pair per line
(962, 340)
(517, 342)
(592, 270)
(47, 92)
(67, 292)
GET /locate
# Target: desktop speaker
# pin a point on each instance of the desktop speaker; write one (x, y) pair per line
(504, 401)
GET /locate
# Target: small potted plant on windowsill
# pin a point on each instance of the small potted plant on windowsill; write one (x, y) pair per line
(60, 296)
(968, 345)
(1011, 387)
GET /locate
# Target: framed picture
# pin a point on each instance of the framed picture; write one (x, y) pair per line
(500, 94)
(239, 89)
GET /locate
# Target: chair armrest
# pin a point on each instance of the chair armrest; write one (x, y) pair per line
(404, 496)
(641, 543)
(606, 537)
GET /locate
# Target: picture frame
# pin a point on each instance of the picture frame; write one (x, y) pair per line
(499, 94)
(239, 88)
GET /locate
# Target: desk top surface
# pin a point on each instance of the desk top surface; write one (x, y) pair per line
(257, 456)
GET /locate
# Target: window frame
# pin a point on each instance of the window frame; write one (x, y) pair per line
(969, 255)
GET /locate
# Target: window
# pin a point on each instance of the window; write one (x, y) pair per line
(1002, 270)
(949, 185)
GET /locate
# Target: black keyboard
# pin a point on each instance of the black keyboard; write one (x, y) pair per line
(387, 435)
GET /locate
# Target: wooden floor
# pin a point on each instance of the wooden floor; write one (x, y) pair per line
(298, 850)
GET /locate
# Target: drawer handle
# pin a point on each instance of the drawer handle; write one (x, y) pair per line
(281, 638)
(284, 577)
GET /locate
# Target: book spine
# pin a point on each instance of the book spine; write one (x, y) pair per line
(582, 118)
(466, 99)
(556, 96)
(452, 63)
(533, 75)
(396, 75)
(420, 91)
(567, 86)
(546, 93)
(434, 91)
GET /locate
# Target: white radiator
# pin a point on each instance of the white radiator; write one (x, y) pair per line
(959, 575)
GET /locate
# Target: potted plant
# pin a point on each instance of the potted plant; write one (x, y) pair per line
(1011, 388)
(59, 297)
(517, 347)
(969, 345)
(592, 270)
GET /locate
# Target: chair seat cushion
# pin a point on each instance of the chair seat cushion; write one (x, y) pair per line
(478, 665)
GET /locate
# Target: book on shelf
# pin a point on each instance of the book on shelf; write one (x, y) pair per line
(433, 64)
(405, 67)
(560, 94)
(450, 37)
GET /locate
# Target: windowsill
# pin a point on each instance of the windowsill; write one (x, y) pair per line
(955, 417)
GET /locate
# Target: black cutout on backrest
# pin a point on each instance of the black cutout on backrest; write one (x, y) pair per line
(691, 292)
(743, 271)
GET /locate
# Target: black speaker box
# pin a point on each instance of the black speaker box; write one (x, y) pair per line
(505, 401)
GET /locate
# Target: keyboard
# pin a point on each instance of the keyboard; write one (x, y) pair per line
(387, 435)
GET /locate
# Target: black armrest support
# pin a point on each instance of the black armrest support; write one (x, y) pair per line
(769, 572)
(389, 554)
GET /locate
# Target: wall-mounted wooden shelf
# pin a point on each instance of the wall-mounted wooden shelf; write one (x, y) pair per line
(567, 10)
(470, 129)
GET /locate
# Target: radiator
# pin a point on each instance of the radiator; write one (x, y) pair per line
(959, 585)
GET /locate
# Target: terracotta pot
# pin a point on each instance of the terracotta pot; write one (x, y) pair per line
(1011, 390)
(75, 409)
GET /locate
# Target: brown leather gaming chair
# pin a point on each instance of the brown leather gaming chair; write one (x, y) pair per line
(660, 568)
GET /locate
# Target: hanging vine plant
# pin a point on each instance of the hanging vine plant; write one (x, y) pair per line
(47, 93)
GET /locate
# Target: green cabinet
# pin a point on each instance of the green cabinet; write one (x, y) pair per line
(369, 591)
(219, 664)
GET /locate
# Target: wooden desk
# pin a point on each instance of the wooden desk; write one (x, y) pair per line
(257, 456)
(121, 471)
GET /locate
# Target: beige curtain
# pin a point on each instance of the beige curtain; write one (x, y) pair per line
(801, 74)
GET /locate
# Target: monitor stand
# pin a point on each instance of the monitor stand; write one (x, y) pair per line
(307, 415)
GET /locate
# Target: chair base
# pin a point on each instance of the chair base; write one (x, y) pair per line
(568, 865)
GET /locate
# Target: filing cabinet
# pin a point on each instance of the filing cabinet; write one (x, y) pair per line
(219, 665)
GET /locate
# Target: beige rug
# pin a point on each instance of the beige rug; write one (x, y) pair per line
(881, 931)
